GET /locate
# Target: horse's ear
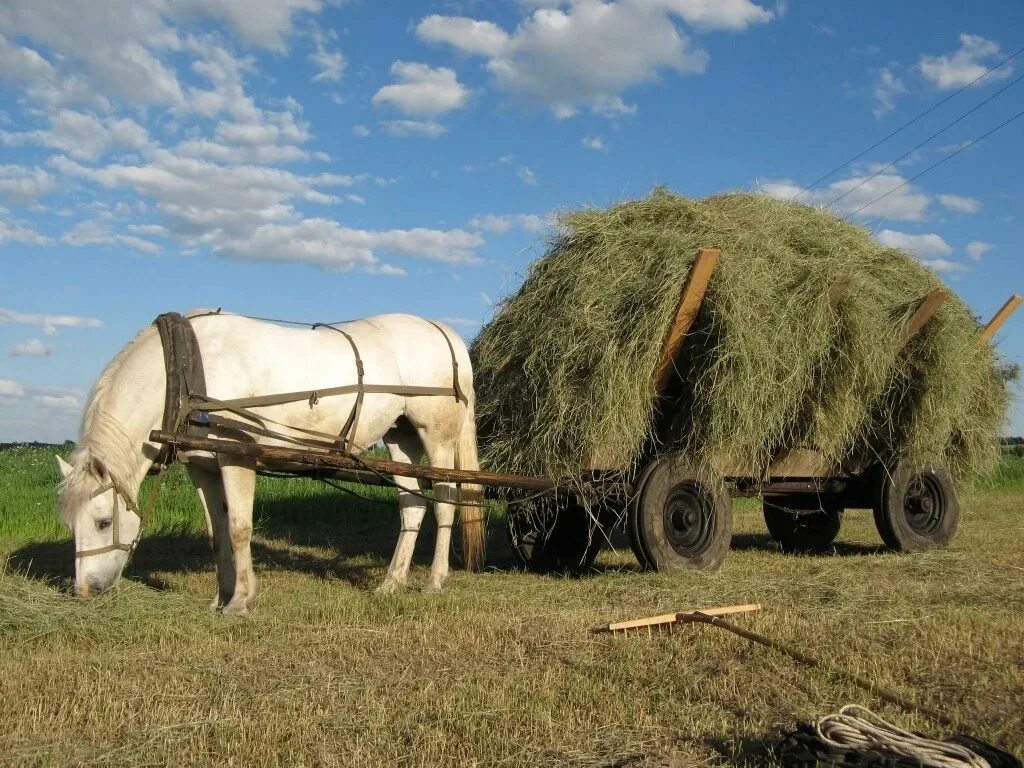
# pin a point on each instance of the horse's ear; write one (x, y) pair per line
(97, 467)
(64, 467)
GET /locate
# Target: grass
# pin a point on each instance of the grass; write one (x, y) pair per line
(563, 371)
(499, 669)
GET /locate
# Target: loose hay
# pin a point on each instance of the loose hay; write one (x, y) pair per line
(563, 371)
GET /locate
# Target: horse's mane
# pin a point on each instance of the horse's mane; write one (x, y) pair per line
(101, 437)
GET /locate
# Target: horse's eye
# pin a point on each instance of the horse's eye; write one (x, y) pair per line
(103, 524)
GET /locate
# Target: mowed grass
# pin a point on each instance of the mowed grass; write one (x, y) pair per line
(498, 670)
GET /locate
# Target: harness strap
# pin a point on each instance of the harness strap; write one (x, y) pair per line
(348, 432)
(119, 490)
(456, 389)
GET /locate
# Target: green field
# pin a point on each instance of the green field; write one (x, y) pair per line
(500, 668)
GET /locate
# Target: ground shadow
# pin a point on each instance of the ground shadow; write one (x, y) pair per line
(763, 542)
(326, 537)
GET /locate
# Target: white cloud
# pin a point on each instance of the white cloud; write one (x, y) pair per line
(10, 388)
(96, 233)
(57, 401)
(944, 265)
(526, 175)
(330, 65)
(263, 23)
(888, 87)
(360, 131)
(922, 246)
(587, 54)
(31, 348)
(49, 323)
(978, 248)
(906, 203)
(21, 184)
(406, 128)
(13, 232)
(595, 143)
(482, 38)
(422, 90)
(83, 135)
(501, 223)
(960, 204)
(967, 63)
(718, 14)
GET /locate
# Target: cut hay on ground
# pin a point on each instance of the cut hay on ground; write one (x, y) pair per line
(563, 371)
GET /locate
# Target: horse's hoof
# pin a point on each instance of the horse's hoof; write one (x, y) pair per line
(388, 587)
(236, 608)
(432, 589)
(215, 604)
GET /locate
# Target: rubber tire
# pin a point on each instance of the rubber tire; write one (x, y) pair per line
(801, 524)
(554, 534)
(671, 477)
(892, 519)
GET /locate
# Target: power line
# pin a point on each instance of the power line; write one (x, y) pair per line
(907, 124)
(918, 146)
(940, 162)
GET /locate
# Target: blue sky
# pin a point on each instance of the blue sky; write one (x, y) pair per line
(322, 161)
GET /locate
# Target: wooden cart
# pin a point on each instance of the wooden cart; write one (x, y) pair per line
(677, 515)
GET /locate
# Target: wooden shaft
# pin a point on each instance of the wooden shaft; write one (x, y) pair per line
(690, 301)
(999, 318)
(337, 460)
(929, 306)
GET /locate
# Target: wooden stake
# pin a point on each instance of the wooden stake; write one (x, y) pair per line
(838, 291)
(929, 306)
(690, 300)
(999, 318)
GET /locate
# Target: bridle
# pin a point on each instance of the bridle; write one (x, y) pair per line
(115, 521)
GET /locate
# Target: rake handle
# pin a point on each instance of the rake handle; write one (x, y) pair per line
(882, 693)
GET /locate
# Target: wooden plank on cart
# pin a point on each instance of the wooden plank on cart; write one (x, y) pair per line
(690, 301)
(929, 306)
(999, 318)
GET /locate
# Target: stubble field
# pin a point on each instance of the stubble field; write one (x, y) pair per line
(499, 669)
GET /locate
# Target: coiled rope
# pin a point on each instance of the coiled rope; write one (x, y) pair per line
(856, 727)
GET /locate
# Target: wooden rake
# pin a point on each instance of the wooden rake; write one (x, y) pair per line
(664, 623)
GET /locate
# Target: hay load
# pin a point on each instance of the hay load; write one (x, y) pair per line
(563, 371)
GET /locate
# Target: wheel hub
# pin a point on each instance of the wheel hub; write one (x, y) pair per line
(688, 524)
(923, 504)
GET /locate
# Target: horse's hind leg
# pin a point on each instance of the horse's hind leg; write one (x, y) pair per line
(444, 512)
(210, 488)
(404, 445)
(239, 488)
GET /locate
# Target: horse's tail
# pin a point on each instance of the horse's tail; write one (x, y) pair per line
(471, 511)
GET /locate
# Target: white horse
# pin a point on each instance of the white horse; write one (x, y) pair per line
(242, 358)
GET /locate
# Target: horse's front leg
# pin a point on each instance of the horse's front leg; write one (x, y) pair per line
(239, 489)
(210, 488)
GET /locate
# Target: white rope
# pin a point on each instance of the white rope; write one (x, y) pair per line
(866, 730)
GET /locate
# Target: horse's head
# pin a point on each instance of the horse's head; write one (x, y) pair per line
(103, 519)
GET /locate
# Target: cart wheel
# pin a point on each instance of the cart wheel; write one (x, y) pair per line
(681, 519)
(803, 523)
(554, 534)
(915, 508)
